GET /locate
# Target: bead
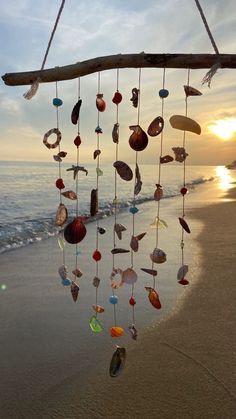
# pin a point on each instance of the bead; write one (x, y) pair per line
(113, 299)
(132, 301)
(183, 191)
(163, 93)
(60, 184)
(97, 255)
(57, 102)
(133, 210)
(66, 282)
(77, 141)
(101, 230)
(117, 98)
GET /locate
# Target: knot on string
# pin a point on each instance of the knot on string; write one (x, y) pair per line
(210, 74)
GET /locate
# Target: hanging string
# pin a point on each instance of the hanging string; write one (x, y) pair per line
(209, 75)
(77, 181)
(34, 87)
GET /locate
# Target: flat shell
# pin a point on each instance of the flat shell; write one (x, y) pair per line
(77, 273)
(119, 228)
(156, 126)
(184, 225)
(152, 272)
(191, 91)
(140, 236)
(96, 153)
(98, 309)
(115, 133)
(74, 291)
(166, 159)
(182, 272)
(61, 215)
(117, 250)
(184, 123)
(96, 282)
(138, 181)
(75, 112)
(134, 244)
(63, 271)
(70, 195)
(94, 202)
(123, 170)
(129, 276)
(117, 362)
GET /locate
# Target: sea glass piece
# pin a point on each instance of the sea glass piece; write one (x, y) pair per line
(94, 202)
(117, 362)
(158, 223)
(166, 159)
(75, 112)
(66, 282)
(61, 242)
(119, 228)
(182, 272)
(163, 93)
(123, 170)
(153, 297)
(98, 309)
(152, 272)
(133, 210)
(116, 331)
(158, 194)
(117, 98)
(77, 272)
(180, 154)
(96, 282)
(129, 276)
(184, 123)
(61, 215)
(95, 325)
(59, 184)
(100, 103)
(97, 255)
(135, 97)
(74, 288)
(63, 271)
(115, 133)
(96, 153)
(138, 140)
(113, 299)
(158, 256)
(99, 171)
(117, 250)
(57, 102)
(156, 126)
(115, 277)
(191, 91)
(184, 225)
(133, 331)
(132, 301)
(77, 141)
(138, 181)
(70, 195)
(75, 231)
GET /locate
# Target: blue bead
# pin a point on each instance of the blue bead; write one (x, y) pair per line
(66, 282)
(133, 210)
(113, 299)
(163, 93)
(57, 102)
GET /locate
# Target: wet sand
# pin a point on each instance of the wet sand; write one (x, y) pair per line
(184, 367)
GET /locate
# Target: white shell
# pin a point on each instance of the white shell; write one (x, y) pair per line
(182, 272)
(129, 276)
(185, 124)
(63, 271)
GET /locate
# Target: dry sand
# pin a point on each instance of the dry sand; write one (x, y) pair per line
(184, 368)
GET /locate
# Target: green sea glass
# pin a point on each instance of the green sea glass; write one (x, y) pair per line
(95, 325)
(61, 242)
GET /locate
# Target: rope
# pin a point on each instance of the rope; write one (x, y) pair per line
(209, 75)
(34, 86)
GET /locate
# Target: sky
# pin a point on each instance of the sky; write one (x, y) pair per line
(91, 28)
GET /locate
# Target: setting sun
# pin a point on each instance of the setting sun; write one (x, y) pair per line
(224, 128)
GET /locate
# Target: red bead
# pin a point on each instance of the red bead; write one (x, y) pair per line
(77, 141)
(60, 184)
(132, 301)
(97, 255)
(183, 191)
(183, 281)
(117, 98)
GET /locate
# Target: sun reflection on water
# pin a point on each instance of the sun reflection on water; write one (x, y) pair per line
(224, 177)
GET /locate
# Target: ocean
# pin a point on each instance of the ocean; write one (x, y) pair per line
(29, 198)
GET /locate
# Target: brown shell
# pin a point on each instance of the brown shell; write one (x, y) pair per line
(74, 291)
(115, 133)
(134, 243)
(117, 250)
(98, 309)
(153, 297)
(191, 91)
(184, 225)
(77, 273)
(156, 126)
(94, 202)
(61, 215)
(62, 154)
(152, 272)
(75, 112)
(100, 103)
(96, 282)
(96, 153)
(135, 97)
(166, 159)
(158, 194)
(119, 228)
(138, 182)
(123, 170)
(140, 236)
(75, 231)
(138, 141)
(70, 195)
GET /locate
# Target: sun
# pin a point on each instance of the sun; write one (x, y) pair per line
(224, 128)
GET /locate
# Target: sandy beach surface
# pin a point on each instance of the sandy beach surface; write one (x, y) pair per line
(184, 362)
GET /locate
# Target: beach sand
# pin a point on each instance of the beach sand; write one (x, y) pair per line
(184, 367)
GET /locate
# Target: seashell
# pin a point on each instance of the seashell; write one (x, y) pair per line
(182, 272)
(63, 271)
(156, 126)
(191, 91)
(57, 158)
(62, 154)
(77, 273)
(116, 331)
(96, 153)
(117, 250)
(101, 230)
(98, 309)
(153, 297)
(166, 159)
(94, 202)
(135, 97)
(152, 272)
(75, 231)
(134, 243)
(138, 140)
(115, 133)
(61, 215)
(95, 325)
(158, 256)
(70, 195)
(158, 223)
(96, 282)
(77, 141)
(75, 112)
(129, 276)
(123, 170)
(184, 225)
(74, 288)
(138, 182)
(117, 98)
(59, 183)
(184, 123)
(47, 135)
(140, 236)
(133, 331)
(119, 228)
(158, 194)
(100, 103)
(117, 362)
(115, 278)
(183, 281)
(180, 153)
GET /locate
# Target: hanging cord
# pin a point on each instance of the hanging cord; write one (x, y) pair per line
(77, 181)
(159, 171)
(34, 87)
(209, 75)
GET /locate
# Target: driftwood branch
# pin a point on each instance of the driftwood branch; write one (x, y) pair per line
(192, 61)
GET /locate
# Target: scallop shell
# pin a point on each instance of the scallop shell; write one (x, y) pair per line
(156, 126)
(70, 195)
(129, 276)
(184, 123)
(100, 103)
(191, 91)
(94, 202)
(158, 256)
(123, 170)
(119, 228)
(61, 215)
(63, 271)
(184, 225)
